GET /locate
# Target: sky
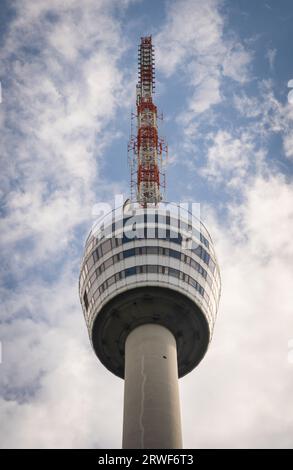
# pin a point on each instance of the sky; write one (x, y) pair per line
(68, 74)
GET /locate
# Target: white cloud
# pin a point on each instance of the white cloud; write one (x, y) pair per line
(53, 388)
(271, 56)
(240, 393)
(236, 62)
(192, 42)
(62, 86)
(229, 158)
(268, 115)
(60, 97)
(288, 145)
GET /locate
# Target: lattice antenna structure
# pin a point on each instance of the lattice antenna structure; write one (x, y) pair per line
(147, 152)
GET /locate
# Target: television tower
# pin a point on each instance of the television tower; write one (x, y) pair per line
(149, 285)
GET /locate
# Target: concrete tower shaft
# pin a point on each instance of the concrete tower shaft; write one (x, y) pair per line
(151, 398)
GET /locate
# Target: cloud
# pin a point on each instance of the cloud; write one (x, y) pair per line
(229, 158)
(62, 87)
(267, 115)
(288, 145)
(192, 42)
(271, 56)
(242, 389)
(53, 390)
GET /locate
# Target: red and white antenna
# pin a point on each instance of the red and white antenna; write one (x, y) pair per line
(147, 151)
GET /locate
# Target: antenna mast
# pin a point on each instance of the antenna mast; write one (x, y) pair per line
(147, 151)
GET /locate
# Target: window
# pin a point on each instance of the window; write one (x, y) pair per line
(118, 257)
(173, 272)
(202, 253)
(152, 268)
(175, 254)
(95, 255)
(85, 299)
(108, 263)
(99, 250)
(176, 238)
(106, 247)
(194, 264)
(192, 282)
(130, 271)
(111, 280)
(212, 265)
(204, 240)
(152, 250)
(128, 253)
(118, 241)
(113, 243)
(196, 285)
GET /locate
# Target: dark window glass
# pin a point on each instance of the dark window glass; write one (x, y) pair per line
(202, 253)
(173, 272)
(192, 282)
(175, 254)
(128, 253)
(194, 264)
(130, 271)
(204, 240)
(95, 255)
(125, 239)
(85, 299)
